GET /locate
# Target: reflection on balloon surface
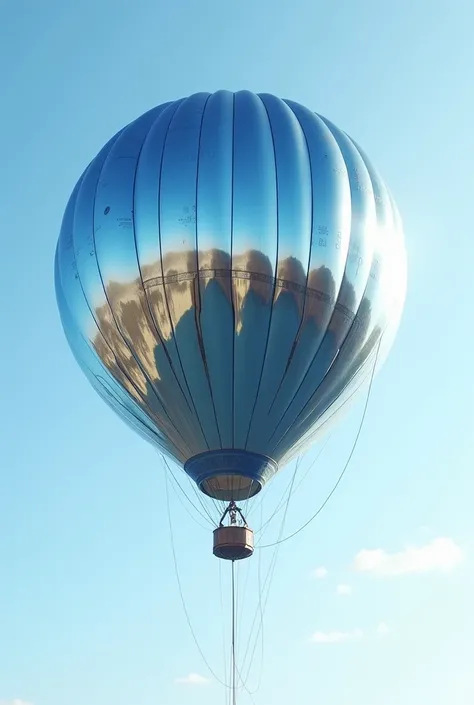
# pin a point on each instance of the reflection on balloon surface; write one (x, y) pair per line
(227, 267)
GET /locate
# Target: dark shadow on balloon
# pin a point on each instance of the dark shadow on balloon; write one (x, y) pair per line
(260, 359)
(350, 356)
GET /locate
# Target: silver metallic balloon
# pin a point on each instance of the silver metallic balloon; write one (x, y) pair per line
(227, 267)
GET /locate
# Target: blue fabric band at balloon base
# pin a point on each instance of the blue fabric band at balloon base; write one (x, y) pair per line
(243, 463)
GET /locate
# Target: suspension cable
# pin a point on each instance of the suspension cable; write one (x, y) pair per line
(339, 479)
(185, 507)
(233, 638)
(181, 593)
(262, 606)
(205, 514)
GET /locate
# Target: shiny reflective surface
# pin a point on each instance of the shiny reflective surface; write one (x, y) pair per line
(226, 267)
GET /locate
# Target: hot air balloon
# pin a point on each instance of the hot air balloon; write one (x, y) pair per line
(229, 269)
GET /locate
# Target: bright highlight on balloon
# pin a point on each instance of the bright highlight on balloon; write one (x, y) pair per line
(229, 269)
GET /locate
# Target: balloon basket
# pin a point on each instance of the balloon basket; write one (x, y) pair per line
(233, 543)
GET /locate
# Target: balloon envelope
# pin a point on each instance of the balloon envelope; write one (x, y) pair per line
(226, 269)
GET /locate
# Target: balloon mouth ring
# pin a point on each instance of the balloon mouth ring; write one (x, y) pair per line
(230, 486)
(232, 474)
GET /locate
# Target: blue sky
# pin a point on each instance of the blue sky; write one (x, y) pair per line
(90, 613)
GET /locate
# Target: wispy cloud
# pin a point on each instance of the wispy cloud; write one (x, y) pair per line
(14, 702)
(382, 629)
(320, 573)
(191, 679)
(344, 589)
(336, 637)
(440, 554)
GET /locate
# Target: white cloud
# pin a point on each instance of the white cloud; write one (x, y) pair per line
(191, 679)
(382, 629)
(344, 589)
(320, 572)
(14, 702)
(336, 637)
(441, 554)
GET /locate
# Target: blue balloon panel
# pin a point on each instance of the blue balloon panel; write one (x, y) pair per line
(228, 268)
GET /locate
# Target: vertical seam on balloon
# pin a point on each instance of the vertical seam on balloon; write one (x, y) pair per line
(355, 320)
(231, 281)
(382, 332)
(87, 343)
(103, 381)
(119, 365)
(197, 310)
(86, 300)
(104, 288)
(297, 334)
(163, 276)
(122, 370)
(124, 407)
(145, 294)
(139, 423)
(176, 105)
(336, 297)
(354, 323)
(274, 272)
